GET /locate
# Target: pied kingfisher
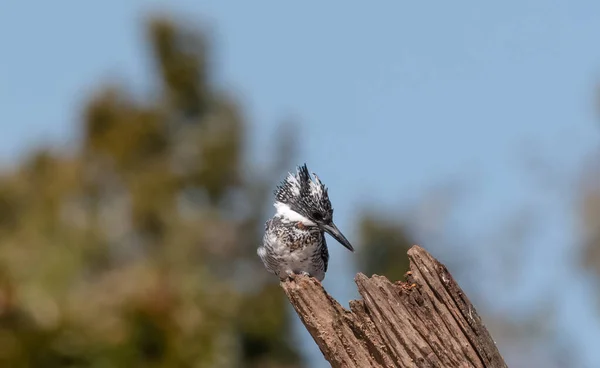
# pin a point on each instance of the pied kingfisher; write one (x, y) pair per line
(294, 240)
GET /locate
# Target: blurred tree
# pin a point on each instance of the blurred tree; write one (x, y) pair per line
(384, 243)
(386, 236)
(133, 250)
(588, 205)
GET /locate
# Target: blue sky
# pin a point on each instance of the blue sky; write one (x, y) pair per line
(393, 99)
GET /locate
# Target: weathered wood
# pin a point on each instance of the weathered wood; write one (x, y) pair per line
(426, 321)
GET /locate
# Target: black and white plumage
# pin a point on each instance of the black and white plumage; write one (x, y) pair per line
(294, 241)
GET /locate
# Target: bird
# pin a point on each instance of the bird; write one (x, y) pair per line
(294, 239)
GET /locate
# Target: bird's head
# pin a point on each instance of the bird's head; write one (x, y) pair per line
(300, 198)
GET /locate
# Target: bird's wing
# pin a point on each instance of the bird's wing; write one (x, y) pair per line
(324, 254)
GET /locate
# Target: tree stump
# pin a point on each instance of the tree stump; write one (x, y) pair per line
(426, 321)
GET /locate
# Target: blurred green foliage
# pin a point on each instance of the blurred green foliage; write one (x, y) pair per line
(138, 248)
(384, 242)
(588, 216)
(127, 251)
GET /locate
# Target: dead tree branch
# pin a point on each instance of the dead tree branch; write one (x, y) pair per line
(427, 321)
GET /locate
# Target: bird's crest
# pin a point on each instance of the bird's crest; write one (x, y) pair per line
(300, 185)
(304, 200)
(300, 191)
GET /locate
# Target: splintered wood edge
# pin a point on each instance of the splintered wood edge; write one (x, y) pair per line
(329, 323)
(469, 320)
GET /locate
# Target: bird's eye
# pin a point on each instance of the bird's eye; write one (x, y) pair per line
(317, 216)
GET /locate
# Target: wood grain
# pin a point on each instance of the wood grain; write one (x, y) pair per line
(425, 321)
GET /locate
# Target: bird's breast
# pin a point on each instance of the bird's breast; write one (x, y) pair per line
(290, 238)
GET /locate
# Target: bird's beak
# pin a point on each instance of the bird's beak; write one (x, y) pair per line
(332, 230)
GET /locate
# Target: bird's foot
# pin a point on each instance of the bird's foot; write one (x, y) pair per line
(292, 275)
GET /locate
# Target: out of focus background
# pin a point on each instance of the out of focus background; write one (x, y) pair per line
(140, 142)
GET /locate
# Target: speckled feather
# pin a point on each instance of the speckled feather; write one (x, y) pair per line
(290, 248)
